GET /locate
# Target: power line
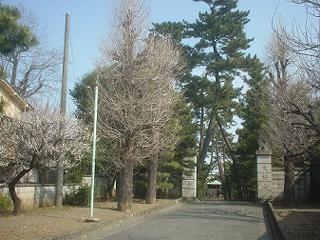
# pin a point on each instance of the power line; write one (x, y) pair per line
(57, 7)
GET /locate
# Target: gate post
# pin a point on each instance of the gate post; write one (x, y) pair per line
(264, 175)
(189, 181)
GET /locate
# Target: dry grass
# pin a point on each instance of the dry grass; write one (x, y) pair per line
(45, 223)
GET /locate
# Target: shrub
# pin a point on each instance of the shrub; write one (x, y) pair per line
(5, 202)
(78, 197)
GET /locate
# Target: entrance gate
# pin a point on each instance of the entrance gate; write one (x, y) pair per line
(189, 181)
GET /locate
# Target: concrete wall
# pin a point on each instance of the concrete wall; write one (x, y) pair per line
(301, 187)
(100, 185)
(277, 184)
(38, 195)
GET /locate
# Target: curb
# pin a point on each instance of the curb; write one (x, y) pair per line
(275, 228)
(115, 226)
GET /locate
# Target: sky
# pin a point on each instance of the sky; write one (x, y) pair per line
(90, 18)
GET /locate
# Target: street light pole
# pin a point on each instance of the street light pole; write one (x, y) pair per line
(94, 147)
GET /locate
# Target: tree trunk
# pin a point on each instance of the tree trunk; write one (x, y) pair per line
(289, 194)
(222, 176)
(315, 179)
(227, 184)
(110, 193)
(125, 188)
(201, 171)
(14, 72)
(152, 182)
(59, 184)
(201, 129)
(236, 169)
(15, 199)
(206, 140)
(117, 187)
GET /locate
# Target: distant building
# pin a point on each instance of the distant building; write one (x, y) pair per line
(213, 187)
(12, 103)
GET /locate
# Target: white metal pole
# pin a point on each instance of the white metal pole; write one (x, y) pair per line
(94, 147)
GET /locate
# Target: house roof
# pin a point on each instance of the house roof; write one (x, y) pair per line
(215, 182)
(17, 97)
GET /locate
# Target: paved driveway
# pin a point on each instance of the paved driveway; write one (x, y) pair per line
(201, 221)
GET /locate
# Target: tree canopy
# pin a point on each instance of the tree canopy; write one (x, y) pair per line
(13, 35)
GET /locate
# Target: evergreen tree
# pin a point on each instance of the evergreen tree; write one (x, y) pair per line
(171, 162)
(252, 114)
(219, 51)
(13, 35)
(83, 98)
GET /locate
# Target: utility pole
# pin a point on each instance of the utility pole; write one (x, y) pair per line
(63, 111)
(63, 103)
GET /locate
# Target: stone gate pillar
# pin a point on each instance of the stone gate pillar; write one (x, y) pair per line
(264, 175)
(189, 181)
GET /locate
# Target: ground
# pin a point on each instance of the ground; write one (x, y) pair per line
(217, 220)
(46, 223)
(299, 223)
(200, 220)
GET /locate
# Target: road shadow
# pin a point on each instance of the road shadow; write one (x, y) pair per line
(211, 210)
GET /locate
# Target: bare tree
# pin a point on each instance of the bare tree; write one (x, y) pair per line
(137, 94)
(286, 133)
(304, 42)
(32, 71)
(38, 139)
(310, 4)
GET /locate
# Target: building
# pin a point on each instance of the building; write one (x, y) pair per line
(12, 103)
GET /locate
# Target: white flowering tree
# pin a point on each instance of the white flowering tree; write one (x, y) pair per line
(38, 139)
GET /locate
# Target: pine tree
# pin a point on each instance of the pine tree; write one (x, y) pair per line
(219, 50)
(171, 162)
(13, 35)
(253, 118)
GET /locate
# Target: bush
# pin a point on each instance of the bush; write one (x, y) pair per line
(78, 197)
(5, 202)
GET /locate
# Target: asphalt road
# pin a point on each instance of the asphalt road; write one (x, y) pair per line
(201, 221)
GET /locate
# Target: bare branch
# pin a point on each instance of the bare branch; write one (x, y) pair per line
(33, 73)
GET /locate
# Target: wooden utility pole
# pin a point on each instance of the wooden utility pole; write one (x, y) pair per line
(63, 111)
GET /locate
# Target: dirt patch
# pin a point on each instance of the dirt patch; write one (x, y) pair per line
(299, 223)
(46, 223)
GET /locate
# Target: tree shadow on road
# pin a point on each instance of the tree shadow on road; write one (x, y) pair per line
(207, 211)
